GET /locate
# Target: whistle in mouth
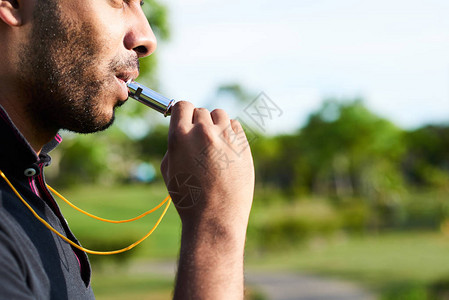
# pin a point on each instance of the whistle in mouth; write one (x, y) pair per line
(150, 98)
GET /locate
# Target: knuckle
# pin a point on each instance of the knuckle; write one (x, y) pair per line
(201, 109)
(219, 111)
(183, 105)
(204, 131)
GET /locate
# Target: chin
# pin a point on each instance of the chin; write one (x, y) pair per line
(98, 126)
(100, 122)
(119, 103)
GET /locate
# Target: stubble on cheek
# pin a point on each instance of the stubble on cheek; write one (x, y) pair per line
(62, 64)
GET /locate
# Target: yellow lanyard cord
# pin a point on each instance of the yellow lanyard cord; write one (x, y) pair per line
(101, 219)
(78, 246)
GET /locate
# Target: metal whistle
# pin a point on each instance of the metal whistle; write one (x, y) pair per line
(150, 98)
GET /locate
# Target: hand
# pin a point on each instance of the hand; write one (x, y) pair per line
(201, 151)
(212, 187)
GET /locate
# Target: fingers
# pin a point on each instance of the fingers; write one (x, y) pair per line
(181, 116)
(236, 126)
(182, 112)
(185, 113)
(220, 117)
(202, 115)
(185, 116)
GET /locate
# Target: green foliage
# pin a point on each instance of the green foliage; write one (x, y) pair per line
(439, 290)
(406, 290)
(281, 226)
(253, 294)
(344, 150)
(157, 15)
(94, 158)
(347, 150)
(274, 160)
(355, 216)
(108, 243)
(365, 164)
(154, 144)
(427, 159)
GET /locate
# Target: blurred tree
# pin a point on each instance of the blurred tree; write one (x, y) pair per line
(427, 159)
(154, 144)
(343, 152)
(274, 159)
(349, 151)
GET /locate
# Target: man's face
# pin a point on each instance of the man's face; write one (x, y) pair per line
(77, 59)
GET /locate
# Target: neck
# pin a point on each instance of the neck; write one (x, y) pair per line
(36, 136)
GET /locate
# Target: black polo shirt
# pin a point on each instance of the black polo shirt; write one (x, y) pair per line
(34, 262)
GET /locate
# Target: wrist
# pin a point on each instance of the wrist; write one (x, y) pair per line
(228, 233)
(210, 262)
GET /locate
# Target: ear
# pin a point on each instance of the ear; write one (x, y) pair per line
(10, 12)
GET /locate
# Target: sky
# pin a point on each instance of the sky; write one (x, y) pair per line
(394, 54)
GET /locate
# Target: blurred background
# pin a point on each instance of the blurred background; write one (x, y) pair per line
(346, 106)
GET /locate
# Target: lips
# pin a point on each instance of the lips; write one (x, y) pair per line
(123, 89)
(126, 75)
(122, 78)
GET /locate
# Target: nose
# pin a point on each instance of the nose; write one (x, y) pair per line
(140, 37)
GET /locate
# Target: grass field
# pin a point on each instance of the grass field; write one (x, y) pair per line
(393, 265)
(396, 265)
(120, 285)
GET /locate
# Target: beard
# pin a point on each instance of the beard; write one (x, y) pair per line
(62, 75)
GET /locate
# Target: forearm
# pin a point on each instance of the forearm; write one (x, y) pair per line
(213, 200)
(210, 262)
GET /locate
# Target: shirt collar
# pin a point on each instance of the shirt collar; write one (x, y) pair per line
(16, 154)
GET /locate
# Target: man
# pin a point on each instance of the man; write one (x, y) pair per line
(63, 65)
